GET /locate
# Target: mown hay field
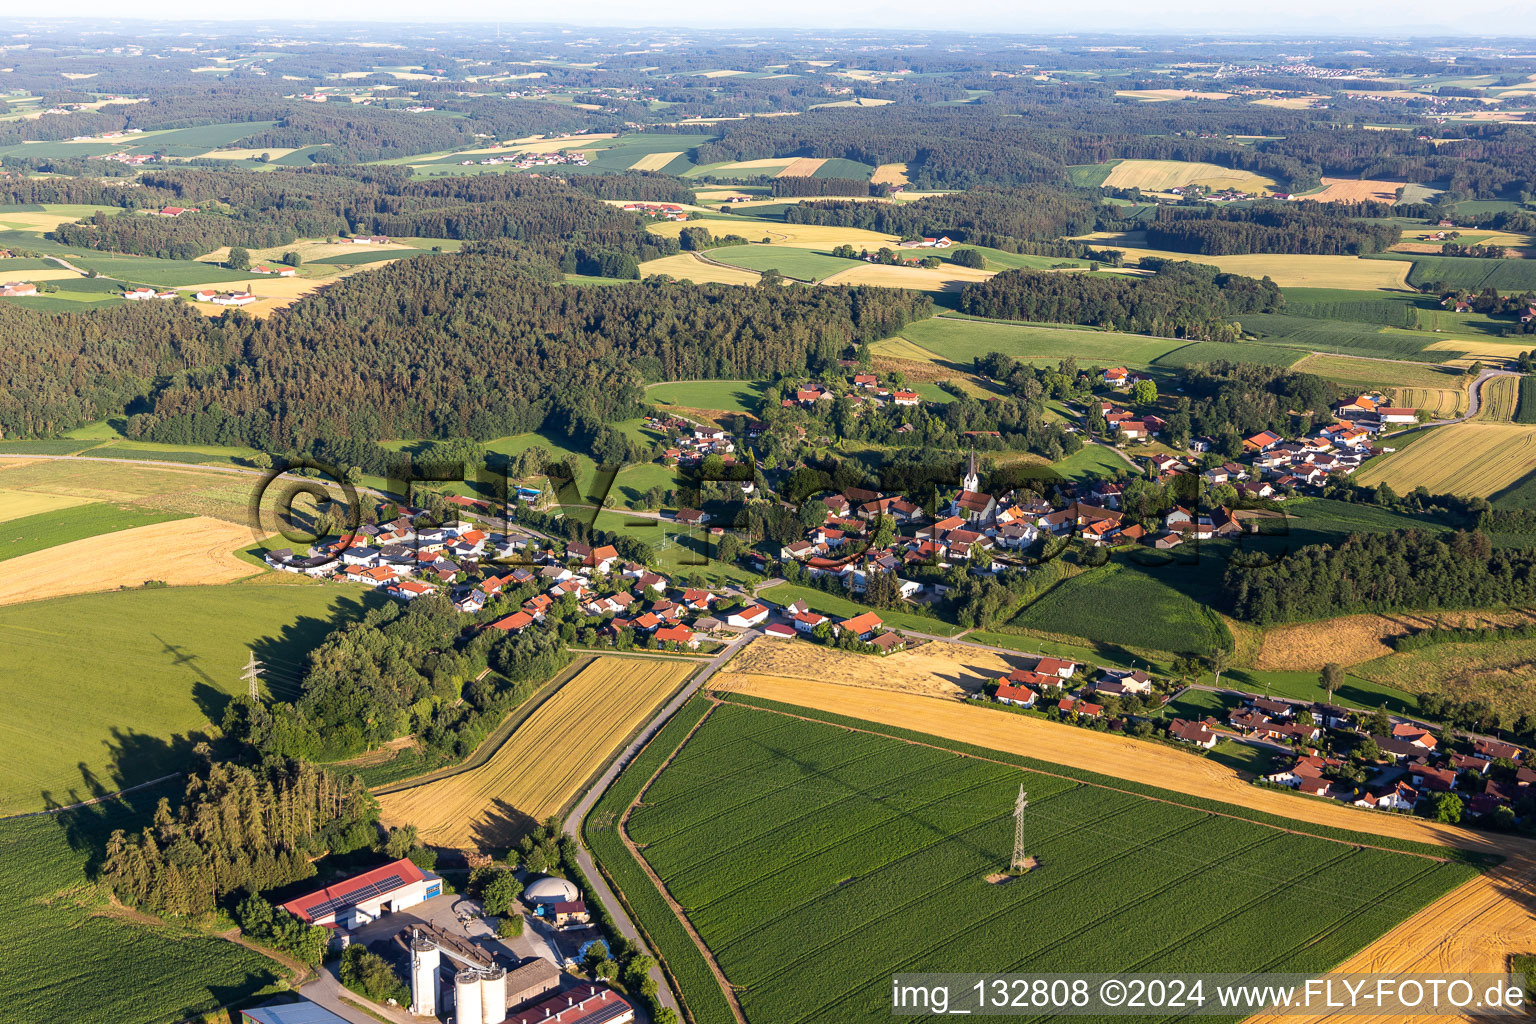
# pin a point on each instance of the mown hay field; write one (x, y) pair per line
(1162, 175)
(1352, 639)
(1355, 372)
(1350, 190)
(1500, 400)
(181, 552)
(946, 278)
(959, 340)
(688, 266)
(654, 161)
(801, 167)
(890, 174)
(1164, 95)
(935, 669)
(1476, 458)
(814, 862)
(22, 504)
(1293, 270)
(800, 236)
(546, 762)
(1441, 403)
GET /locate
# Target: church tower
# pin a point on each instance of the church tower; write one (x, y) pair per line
(971, 482)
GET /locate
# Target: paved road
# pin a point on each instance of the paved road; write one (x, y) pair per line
(579, 813)
(1474, 397)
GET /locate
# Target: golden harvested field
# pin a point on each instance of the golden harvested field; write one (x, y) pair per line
(889, 174)
(1500, 396)
(687, 266)
(654, 161)
(935, 669)
(1164, 95)
(798, 236)
(1106, 753)
(1162, 175)
(947, 278)
(1442, 403)
(1290, 102)
(19, 504)
(720, 195)
(1349, 190)
(275, 152)
(862, 101)
(40, 220)
(802, 167)
(1288, 270)
(1471, 349)
(309, 249)
(546, 762)
(43, 274)
(1352, 639)
(183, 552)
(1477, 459)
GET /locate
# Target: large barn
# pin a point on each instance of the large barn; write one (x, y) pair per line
(367, 897)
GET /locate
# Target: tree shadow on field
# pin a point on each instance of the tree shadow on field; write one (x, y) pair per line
(500, 826)
(286, 654)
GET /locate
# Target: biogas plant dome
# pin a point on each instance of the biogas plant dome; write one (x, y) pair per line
(551, 890)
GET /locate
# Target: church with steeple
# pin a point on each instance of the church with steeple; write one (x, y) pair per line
(970, 504)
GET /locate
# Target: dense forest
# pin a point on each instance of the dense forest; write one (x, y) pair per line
(238, 827)
(480, 343)
(1000, 218)
(1182, 300)
(1309, 228)
(1384, 572)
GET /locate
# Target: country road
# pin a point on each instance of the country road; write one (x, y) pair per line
(573, 821)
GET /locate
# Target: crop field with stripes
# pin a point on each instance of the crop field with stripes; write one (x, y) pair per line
(815, 861)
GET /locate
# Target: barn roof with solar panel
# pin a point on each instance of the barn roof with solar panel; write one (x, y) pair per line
(366, 897)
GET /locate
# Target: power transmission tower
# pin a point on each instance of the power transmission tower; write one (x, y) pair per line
(1020, 858)
(252, 673)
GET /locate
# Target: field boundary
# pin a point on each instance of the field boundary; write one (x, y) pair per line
(727, 698)
(621, 826)
(492, 742)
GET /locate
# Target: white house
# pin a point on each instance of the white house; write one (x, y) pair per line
(747, 617)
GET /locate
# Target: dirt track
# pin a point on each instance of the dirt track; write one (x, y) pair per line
(1474, 928)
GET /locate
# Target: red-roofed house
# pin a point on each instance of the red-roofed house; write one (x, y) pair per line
(680, 635)
(514, 623)
(585, 1004)
(861, 626)
(746, 617)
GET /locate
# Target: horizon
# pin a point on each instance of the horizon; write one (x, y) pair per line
(1311, 20)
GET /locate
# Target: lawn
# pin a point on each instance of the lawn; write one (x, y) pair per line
(743, 396)
(844, 608)
(69, 948)
(815, 863)
(1093, 462)
(60, 526)
(800, 264)
(1123, 603)
(109, 690)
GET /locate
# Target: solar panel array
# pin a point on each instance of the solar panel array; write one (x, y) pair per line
(356, 896)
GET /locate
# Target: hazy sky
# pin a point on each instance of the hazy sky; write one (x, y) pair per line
(1388, 18)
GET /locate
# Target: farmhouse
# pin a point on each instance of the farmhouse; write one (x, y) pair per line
(364, 898)
(15, 289)
(746, 617)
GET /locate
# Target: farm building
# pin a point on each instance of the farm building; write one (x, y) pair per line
(367, 897)
(13, 289)
(551, 890)
(301, 1012)
(584, 1004)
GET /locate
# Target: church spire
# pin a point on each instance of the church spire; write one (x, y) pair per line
(971, 482)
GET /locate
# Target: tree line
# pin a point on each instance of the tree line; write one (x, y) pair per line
(1307, 228)
(1182, 300)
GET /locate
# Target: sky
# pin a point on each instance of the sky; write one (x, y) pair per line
(1386, 18)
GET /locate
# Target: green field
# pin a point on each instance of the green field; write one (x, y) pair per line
(1122, 603)
(800, 264)
(1345, 338)
(69, 949)
(839, 167)
(961, 341)
(50, 529)
(1525, 411)
(1093, 462)
(843, 608)
(1474, 274)
(998, 259)
(815, 863)
(108, 690)
(353, 259)
(743, 396)
(1237, 352)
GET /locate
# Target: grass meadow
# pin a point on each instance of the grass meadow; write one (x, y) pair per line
(1125, 604)
(961, 341)
(110, 690)
(815, 862)
(842, 608)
